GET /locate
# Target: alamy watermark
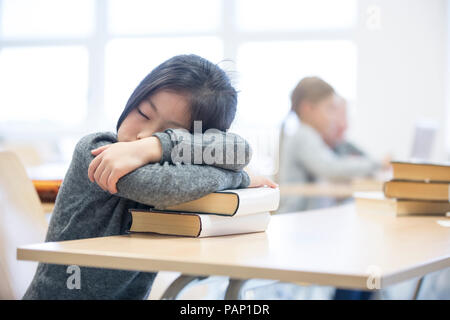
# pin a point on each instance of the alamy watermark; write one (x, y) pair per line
(217, 147)
(74, 280)
(374, 277)
(373, 17)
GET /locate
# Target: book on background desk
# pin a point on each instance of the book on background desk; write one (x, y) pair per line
(197, 225)
(421, 171)
(417, 190)
(377, 203)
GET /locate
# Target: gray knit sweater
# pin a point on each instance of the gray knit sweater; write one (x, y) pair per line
(84, 210)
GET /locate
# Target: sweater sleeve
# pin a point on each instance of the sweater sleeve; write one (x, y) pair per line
(216, 148)
(162, 185)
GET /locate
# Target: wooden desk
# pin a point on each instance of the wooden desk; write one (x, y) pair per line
(335, 247)
(333, 190)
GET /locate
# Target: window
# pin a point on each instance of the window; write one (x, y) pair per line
(270, 70)
(47, 85)
(128, 61)
(295, 15)
(144, 17)
(33, 19)
(68, 67)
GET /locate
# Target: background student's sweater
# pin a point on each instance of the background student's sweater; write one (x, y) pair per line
(84, 210)
(306, 158)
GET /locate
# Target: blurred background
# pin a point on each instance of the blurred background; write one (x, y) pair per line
(67, 67)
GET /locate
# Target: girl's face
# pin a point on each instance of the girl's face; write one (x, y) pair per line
(162, 110)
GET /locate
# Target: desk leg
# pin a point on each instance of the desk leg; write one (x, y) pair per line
(179, 284)
(417, 290)
(234, 289)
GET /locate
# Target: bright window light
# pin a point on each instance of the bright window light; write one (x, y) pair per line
(46, 18)
(128, 61)
(43, 86)
(269, 71)
(168, 16)
(289, 15)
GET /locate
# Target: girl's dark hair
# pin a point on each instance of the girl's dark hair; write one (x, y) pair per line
(212, 98)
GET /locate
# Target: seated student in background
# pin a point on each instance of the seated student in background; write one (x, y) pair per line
(314, 152)
(341, 146)
(317, 151)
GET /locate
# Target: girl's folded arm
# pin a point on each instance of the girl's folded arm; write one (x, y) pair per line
(156, 184)
(163, 185)
(216, 148)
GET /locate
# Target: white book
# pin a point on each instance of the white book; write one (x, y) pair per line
(197, 225)
(233, 202)
(213, 225)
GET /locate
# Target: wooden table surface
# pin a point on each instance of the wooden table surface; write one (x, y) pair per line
(334, 246)
(331, 189)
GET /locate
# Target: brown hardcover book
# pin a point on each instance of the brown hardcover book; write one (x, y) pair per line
(377, 203)
(196, 225)
(421, 171)
(233, 202)
(417, 190)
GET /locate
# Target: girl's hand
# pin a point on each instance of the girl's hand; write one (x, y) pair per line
(257, 181)
(115, 160)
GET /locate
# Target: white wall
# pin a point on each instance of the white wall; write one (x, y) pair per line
(402, 69)
(447, 80)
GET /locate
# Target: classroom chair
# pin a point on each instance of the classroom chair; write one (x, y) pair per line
(28, 154)
(22, 221)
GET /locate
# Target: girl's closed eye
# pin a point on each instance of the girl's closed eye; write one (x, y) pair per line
(142, 114)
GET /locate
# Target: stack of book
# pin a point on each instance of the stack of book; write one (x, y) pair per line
(417, 188)
(216, 214)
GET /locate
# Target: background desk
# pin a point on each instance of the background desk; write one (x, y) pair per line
(330, 189)
(334, 247)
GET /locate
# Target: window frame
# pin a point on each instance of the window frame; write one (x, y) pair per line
(95, 44)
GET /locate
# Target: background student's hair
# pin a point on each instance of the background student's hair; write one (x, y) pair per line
(311, 89)
(212, 98)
